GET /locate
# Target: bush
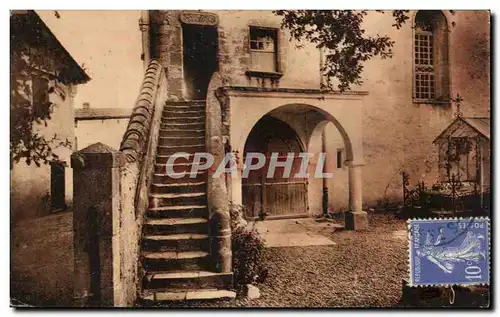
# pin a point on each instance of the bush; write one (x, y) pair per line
(248, 251)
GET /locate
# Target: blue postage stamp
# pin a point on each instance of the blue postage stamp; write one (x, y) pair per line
(449, 251)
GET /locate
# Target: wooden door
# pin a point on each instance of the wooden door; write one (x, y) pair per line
(277, 196)
(57, 186)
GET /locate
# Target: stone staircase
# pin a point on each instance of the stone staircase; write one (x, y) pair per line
(175, 241)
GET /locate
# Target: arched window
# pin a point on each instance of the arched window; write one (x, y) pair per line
(430, 57)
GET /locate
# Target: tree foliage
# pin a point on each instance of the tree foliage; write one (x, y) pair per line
(340, 33)
(26, 118)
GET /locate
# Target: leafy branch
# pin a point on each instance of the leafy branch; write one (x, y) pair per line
(27, 61)
(340, 34)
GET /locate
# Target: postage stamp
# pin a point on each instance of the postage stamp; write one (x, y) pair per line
(451, 251)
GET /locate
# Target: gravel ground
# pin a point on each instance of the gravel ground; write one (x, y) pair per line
(42, 261)
(363, 269)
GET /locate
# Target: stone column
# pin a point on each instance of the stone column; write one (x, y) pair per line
(96, 220)
(236, 188)
(355, 218)
(327, 168)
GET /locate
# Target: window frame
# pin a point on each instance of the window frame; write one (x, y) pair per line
(276, 58)
(421, 53)
(441, 83)
(340, 158)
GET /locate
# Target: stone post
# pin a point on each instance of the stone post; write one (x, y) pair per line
(355, 218)
(96, 221)
(220, 219)
(218, 202)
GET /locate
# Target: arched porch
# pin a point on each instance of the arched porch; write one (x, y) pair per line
(308, 115)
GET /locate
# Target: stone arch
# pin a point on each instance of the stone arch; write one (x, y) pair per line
(280, 131)
(445, 15)
(314, 117)
(308, 120)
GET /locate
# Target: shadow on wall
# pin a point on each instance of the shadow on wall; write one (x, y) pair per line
(29, 191)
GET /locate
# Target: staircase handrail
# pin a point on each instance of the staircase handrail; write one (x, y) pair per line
(134, 143)
(140, 138)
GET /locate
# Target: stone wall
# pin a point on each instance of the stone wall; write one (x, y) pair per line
(234, 52)
(166, 39)
(398, 133)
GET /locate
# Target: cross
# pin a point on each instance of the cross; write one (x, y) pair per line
(457, 100)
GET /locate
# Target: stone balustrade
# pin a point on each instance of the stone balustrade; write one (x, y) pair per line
(135, 138)
(110, 197)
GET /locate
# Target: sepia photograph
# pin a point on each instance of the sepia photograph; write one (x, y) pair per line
(282, 158)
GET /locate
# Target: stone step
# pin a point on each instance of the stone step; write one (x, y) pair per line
(176, 167)
(176, 242)
(179, 120)
(179, 166)
(183, 126)
(171, 108)
(176, 112)
(177, 199)
(171, 261)
(163, 159)
(164, 226)
(171, 149)
(179, 187)
(185, 211)
(185, 103)
(197, 294)
(187, 280)
(200, 139)
(172, 132)
(181, 140)
(166, 179)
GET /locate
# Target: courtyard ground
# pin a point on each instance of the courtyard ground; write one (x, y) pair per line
(360, 269)
(42, 261)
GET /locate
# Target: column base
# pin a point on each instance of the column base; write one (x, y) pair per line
(356, 220)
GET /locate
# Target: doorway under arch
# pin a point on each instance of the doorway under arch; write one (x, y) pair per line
(276, 196)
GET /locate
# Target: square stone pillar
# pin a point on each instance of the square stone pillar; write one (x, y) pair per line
(96, 219)
(355, 218)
